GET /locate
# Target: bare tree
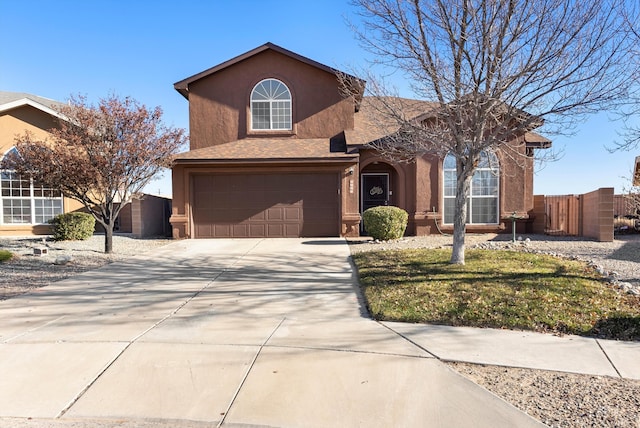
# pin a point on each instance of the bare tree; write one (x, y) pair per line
(100, 155)
(496, 69)
(630, 113)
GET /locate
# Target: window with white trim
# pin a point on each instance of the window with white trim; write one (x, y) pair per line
(25, 202)
(270, 106)
(482, 204)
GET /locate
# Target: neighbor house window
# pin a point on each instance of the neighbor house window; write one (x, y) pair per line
(482, 204)
(24, 202)
(271, 106)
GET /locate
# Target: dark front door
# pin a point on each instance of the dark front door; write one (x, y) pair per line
(375, 190)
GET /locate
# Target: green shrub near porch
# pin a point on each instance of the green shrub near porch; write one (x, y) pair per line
(385, 222)
(72, 226)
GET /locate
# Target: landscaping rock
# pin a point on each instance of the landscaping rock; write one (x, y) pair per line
(63, 260)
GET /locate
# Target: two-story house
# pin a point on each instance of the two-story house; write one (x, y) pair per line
(278, 150)
(27, 207)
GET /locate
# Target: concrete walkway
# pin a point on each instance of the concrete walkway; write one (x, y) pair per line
(253, 333)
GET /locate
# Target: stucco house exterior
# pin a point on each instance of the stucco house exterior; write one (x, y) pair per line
(277, 150)
(25, 206)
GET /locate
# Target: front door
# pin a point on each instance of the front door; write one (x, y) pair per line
(375, 190)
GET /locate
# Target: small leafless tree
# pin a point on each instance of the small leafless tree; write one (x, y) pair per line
(495, 69)
(100, 155)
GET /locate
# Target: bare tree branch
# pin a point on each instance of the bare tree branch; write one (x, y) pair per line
(495, 71)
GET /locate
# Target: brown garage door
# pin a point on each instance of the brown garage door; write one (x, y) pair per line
(265, 205)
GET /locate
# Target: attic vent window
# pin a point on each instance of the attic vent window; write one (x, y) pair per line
(270, 106)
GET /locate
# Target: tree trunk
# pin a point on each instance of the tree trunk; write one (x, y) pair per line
(108, 236)
(463, 183)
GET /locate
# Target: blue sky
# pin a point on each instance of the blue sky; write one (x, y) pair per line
(140, 49)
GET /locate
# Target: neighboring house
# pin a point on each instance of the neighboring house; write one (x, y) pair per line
(277, 150)
(25, 206)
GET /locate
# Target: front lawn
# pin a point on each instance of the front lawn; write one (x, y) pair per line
(499, 289)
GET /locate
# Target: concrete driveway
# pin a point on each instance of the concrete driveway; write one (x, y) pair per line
(232, 333)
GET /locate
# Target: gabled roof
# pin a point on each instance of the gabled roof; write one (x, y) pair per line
(374, 120)
(183, 85)
(12, 100)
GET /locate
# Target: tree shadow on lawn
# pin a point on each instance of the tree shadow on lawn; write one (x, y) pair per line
(618, 327)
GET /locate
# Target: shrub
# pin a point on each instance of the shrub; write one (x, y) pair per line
(385, 222)
(5, 255)
(72, 226)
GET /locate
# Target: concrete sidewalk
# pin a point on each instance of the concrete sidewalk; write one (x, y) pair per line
(250, 333)
(571, 354)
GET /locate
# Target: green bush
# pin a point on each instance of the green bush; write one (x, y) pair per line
(72, 226)
(5, 255)
(385, 222)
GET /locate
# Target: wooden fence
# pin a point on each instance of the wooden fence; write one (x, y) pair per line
(562, 215)
(590, 215)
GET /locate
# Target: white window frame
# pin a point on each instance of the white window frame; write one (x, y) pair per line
(494, 168)
(31, 198)
(271, 100)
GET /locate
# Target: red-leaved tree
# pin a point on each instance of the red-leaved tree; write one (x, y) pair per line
(100, 155)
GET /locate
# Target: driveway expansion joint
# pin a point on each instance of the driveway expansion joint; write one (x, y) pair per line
(417, 345)
(246, 375)
(608, 359)
(353, 351)
(32, 330)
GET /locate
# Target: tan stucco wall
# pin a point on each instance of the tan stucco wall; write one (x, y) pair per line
(16, 122)
(150, 216)
(19, 120)
(219, 104)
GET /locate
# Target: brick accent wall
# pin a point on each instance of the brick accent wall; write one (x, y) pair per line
(597, 214)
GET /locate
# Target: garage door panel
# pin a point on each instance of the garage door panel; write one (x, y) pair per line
(292, 213)
(259, 217)
(292, 229)
(240, 230)
(257, 230)
(274, 213)
(221, 231)
(275, 230)
(265, 205)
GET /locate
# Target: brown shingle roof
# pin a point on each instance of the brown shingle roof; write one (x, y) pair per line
(375, 121)
(534, 139)
(269, 149)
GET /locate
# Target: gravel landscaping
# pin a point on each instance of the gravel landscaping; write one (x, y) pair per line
(27, 271)
(556, 399)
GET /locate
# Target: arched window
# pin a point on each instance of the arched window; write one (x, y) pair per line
(26, 202)
(482, 204)
(271, 106)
